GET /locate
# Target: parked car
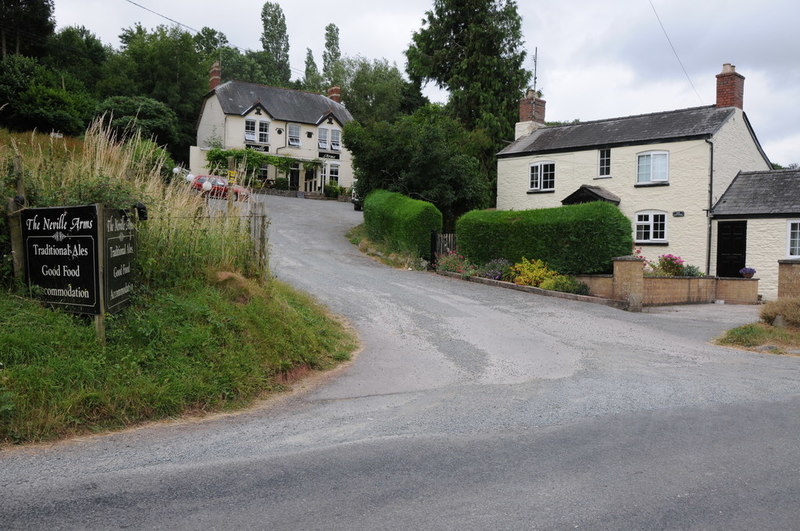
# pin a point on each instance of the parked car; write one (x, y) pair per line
(218, 187)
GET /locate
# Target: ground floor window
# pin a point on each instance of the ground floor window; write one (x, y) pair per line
(333, 174)
(794, 239)
(651, 226)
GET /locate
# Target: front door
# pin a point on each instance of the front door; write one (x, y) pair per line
(294, 177)
(731, 247)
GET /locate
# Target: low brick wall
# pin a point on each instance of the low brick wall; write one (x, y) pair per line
(679, 290)
(599, 285)
(738, 290)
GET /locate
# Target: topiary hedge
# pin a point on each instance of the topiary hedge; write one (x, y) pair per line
(402, 223)
(571, 239)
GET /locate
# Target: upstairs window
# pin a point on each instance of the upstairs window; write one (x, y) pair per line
(651, 226)
(652, 167)
(794, 239)
(543, 176)
(322, 135)
(604, 168)
(294, 135)
(249, 130)
(263, 132)
(335, 136)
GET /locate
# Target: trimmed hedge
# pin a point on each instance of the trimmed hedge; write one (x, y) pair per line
(400, 222)
(571, 239)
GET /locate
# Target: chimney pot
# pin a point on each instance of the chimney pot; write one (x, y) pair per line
(335, 94)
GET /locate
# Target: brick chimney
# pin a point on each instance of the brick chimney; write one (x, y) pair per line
(531, 114)
(335, 93)
(730, 87)
(214, 76)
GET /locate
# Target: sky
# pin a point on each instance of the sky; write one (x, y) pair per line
(595, 59)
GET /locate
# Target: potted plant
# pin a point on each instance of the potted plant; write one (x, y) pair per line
(747, 272)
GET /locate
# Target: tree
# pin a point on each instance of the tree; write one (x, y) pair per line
(208, 42)
(427, 155)
(126, 114)
(376, 91)
(25, 26)
(473, 48)
(332, 67)
(312, 79)
(78, 51)
(275, 41)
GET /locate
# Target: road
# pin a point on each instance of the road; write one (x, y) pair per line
(469, 407)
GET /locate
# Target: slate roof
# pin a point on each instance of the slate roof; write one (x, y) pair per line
(684, 124)
(761, 193)
(238, 97)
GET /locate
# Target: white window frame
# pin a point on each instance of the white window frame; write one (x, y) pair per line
(796, 247)
(652, 156)
(322, 138)
(293, 132)
(263, 132)
(333, 174)
(604, 170)
(650, 223)
(336, 140)
(249, 130)
(537, 181)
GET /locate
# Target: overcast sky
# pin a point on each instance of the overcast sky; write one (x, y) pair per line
(596, 59)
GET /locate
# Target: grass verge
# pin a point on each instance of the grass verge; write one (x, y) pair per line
(207, 346)
(382, 252)
(762, 337)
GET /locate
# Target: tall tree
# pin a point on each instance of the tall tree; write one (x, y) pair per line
(312, 79)
(275, 41)
(77, 50)
(375, 91)
(208, 41)
(332, 67)
(25, 26)
(473, 48)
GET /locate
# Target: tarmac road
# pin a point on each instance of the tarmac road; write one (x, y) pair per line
(470, 407)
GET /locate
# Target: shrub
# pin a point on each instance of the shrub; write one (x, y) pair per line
(572, 239)
(281, 183)
(527, 273)
(565, 284)
(495, 269)
(455, 263)
(332, 191)
(789, 309)
(692, 271)
(669, 265)
(402, 223)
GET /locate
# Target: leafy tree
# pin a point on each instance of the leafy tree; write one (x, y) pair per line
(312, 79)
(78, 51)
(376, 91)
(473, 48)
(25, 26)
(33, 96)
(208, 42)
(153, 118)
(275, 41)
(332, 67)
(427, 155)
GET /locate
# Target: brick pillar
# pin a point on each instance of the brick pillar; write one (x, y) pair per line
(788, 278)
(629, 281)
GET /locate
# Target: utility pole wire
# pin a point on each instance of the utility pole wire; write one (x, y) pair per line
(675, 52)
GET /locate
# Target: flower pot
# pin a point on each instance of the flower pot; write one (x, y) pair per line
(747, 275)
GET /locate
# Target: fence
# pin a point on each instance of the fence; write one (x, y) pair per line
(442, 243)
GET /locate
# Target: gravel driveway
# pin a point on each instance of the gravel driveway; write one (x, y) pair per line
(469, 407)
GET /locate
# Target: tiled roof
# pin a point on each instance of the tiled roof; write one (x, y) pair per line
(697, 122)
(763, 193)
(238, 97)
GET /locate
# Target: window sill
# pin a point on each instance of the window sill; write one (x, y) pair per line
(541, 191)
(652, 244)
(602, 177)
(645, 185)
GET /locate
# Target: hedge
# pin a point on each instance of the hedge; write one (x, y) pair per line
(571, 239)
(402, 223)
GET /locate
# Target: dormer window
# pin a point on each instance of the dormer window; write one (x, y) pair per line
(249, 130)
(323, 138)
(335, 142)
(256, 131)
(294, 135)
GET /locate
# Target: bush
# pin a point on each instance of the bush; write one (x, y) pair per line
(565, 284)
(332, 191)
(455, 263)
(495, 269)
(402, 223)
(669, 265)
(789, 309)
(526, 273)
(281, 183)
(572, 239)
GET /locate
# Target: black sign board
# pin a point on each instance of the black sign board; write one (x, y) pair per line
(334, 156)
(119, 254)
(61, 256)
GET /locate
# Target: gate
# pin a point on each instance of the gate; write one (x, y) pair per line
(442, 243)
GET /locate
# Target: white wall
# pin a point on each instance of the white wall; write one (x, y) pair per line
(734, 151)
